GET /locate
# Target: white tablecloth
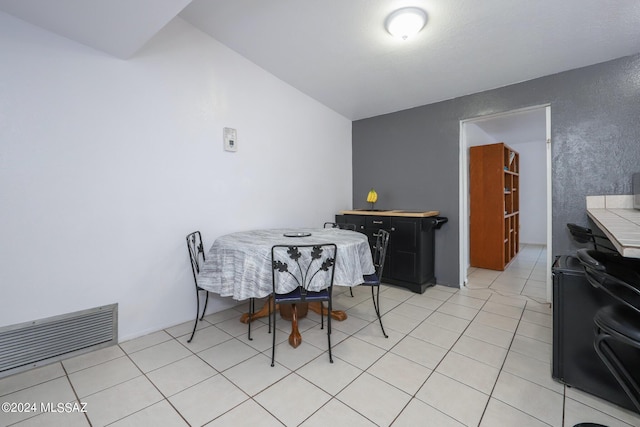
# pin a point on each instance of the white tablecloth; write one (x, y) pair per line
(238, 265)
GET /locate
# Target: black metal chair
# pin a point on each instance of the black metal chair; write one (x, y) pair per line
(585, 235)
(373, 280)
(618, 325)
(309, 271)
(196, 255)
(340, 225)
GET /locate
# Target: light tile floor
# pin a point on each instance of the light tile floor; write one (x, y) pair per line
(478, 356)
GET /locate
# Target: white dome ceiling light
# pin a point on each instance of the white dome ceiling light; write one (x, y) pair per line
(406, 22)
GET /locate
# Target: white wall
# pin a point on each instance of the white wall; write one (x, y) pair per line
(533, 191)
(106, 165)
(476, 136)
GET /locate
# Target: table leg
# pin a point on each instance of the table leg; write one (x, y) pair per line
(291, 312)
(295, 339)
(285, 311)
(318, 307)
(263, 312)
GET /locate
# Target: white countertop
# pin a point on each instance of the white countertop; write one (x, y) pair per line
(617, 218)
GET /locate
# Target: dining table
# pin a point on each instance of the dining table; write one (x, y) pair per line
(238, 265)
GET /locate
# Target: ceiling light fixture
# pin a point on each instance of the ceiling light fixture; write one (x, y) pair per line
(406, 22)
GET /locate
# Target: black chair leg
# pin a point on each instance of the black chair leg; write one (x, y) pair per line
(273, 345)
(195, 325)
(270, 302)
(329, 332)
(206, 301)
(616, 368)
(351, 291)
(251, 311)
(376, 306)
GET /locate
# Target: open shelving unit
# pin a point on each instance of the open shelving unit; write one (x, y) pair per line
(494, 208)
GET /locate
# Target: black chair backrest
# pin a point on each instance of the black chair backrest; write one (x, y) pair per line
(616, 275)
(380, 251)
(309, 267)
(340, 225)
(196, 253)
(585, 235)
(581, 234)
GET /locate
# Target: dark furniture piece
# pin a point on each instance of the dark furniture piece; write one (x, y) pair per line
(307, 270)
(585, 235)
(410, 256)
(373, 280)
(574, 359)
(617, 324)
(196, 256)
(342, 226)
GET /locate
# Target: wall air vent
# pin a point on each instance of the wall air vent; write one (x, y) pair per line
(40, 342)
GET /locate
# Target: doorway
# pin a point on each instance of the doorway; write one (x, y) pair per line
(527, 131)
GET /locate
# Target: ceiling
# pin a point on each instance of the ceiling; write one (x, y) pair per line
(338, 52)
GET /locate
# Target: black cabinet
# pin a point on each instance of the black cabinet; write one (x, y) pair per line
(575, 361)
(406, 251)
(410, 256)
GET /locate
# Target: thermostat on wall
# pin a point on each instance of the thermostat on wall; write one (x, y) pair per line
(230, 137)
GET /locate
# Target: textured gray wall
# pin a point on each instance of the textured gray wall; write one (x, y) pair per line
(411, 157)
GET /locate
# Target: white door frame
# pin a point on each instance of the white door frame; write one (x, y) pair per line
(549, 210)
(464, 194)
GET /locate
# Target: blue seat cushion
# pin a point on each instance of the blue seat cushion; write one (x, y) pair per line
(296, 296)
(370, 280)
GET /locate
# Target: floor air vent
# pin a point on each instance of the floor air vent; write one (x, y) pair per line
(39, 342)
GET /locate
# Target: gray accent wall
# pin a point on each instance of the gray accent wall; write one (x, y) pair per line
(411, 157)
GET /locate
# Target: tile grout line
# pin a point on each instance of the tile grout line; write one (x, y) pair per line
(414, 396)
(501, 369)
(75, 393)
(144, 374)
(363, 371)
(386, 351)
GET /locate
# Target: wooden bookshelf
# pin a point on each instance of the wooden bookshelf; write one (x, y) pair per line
(494, 214)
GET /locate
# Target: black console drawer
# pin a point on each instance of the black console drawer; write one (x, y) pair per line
(377, 222)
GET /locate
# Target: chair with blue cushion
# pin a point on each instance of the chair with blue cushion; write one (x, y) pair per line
(306, 272)
(373, 280)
